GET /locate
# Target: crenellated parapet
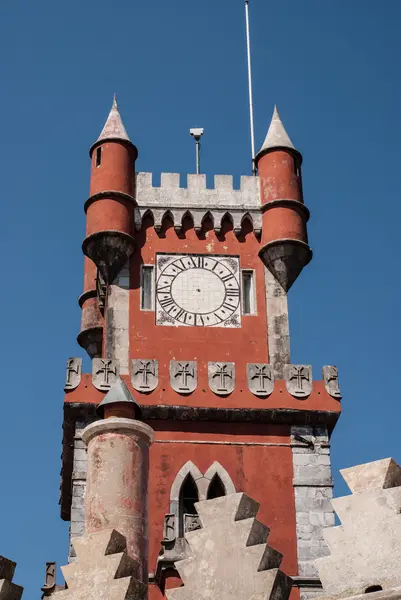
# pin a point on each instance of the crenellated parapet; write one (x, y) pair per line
(198, 202)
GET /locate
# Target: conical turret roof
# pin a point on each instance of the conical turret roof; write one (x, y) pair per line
(276, 137)
(118, 393)
(114, 127)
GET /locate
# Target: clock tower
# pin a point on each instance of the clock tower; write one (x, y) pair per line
(185, 301)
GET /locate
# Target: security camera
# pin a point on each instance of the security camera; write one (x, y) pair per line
(196, 133)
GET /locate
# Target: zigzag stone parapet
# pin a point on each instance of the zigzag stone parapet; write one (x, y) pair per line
(103, 570)
(231, 560)
(8, 589)
(365, 551)
(198, 201)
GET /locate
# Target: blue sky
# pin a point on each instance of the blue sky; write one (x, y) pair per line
(333, 70)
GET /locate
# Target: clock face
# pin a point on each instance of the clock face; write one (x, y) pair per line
(197, 290)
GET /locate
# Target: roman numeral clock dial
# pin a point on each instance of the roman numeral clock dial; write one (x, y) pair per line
(197, 290)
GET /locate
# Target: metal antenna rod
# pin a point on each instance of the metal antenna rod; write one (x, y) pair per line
(248, 46)
(197, 133)
(197, 151)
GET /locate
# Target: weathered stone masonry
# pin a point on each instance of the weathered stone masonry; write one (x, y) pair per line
(80, 465)
(313, 490)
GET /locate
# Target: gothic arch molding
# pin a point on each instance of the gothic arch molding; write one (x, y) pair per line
(188, 468)
(216, 469)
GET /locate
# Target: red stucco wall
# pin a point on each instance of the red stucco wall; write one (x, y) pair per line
(262, 471)
(245, 344)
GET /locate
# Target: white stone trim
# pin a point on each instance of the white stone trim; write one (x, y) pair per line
(217, 469)
(152, 291)
(129, 427)
(188, 468)
(214, 443)
(202, 483)
(278, 334)
(117, 324)
(253, 304)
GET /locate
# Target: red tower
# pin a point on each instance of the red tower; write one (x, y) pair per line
(185, 298)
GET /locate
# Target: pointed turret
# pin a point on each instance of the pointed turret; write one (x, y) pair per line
(285, 250)
(276, 137)
(119, 402)
(113, 128)
(109, 242)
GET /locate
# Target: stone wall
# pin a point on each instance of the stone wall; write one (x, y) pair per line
(313, 490)
(278, 333)
(117, 334)
(77, 526)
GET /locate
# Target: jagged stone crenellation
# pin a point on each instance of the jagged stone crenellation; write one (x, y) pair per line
(103, 570)
(230, 557)
(197, 201)
(8, 589)
(365, 550)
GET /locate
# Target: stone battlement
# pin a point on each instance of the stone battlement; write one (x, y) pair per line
(198, 201)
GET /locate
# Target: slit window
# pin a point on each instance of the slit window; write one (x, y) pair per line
(98, 156)
(248, 293)
(147, 287)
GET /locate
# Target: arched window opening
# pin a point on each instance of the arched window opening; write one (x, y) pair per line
(188, 497)
(216, 488)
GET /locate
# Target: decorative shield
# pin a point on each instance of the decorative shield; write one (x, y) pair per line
(260, 378)
(144, 374)
(183, 376)
(298, 379)
(221, 377)
(73, 373)
(105, 372)
(330, 378)
(169, 529)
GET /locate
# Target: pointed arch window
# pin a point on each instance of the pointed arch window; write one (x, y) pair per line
(188, 516)
(190, 486)
(216, 488)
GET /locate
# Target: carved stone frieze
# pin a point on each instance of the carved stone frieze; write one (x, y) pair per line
(298, 380)
(144, 374)
(330, 378)
(260, 378)
(191, 522)
(183, 376)
(105, 372)
(73, 373)
(221, 377)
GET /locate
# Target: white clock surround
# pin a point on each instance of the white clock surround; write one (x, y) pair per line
(197, 290)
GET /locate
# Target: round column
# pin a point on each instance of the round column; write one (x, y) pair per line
(117, 483)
